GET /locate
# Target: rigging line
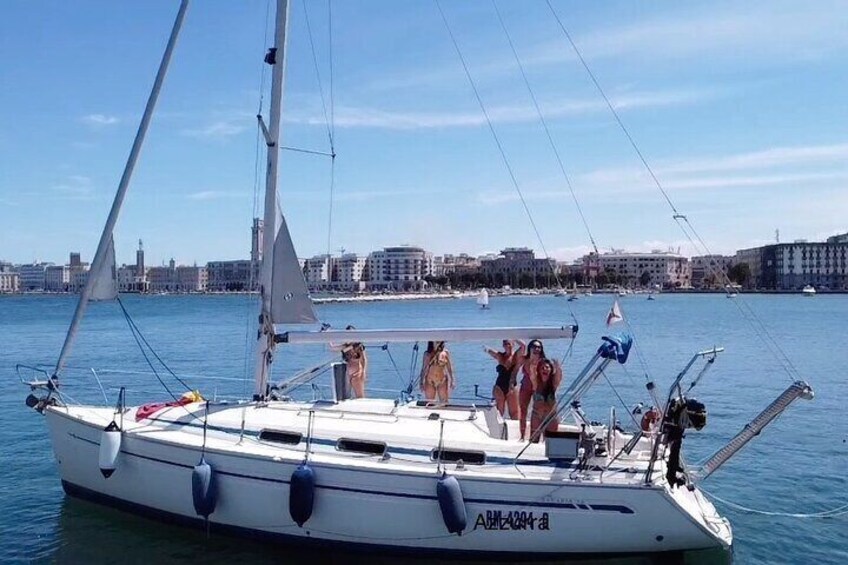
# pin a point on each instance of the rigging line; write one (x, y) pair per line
(832, 513)
(778, 352)
(743, 305)
(133, 331)
(318, 74)
(545, 126)
(307, 151)
(610, 106)
(623, 404)
(502, 151)
(330, 48)
(135, 327)
(332, 128)
(385, 347)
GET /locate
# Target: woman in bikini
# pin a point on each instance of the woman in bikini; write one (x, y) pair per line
(546, 380)
(353, 354)
(527, 359)
(504, 391)
(436, 377)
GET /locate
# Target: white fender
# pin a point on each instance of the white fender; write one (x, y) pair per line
(110, 447)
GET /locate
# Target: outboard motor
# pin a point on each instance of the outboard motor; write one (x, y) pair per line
(110, 447)
(683, 413)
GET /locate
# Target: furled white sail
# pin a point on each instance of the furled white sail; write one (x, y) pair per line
(290, 301)
(105, 283)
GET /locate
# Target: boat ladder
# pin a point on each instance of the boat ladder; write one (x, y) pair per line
(798, 389)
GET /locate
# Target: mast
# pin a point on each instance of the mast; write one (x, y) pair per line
(105, 243)
(276, 57)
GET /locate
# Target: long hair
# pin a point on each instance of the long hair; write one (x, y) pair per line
(534, 342)
(433, 348)
(545, 387)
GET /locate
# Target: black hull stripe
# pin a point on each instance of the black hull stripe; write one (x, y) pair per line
(324, 545)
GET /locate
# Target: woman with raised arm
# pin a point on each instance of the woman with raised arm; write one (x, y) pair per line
(545, 380)
(504, 391)
(527, 359)
(353, 354)
(437, 378)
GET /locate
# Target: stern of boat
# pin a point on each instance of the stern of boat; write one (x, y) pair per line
(692, 502)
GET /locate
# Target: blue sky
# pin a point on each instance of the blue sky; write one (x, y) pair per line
(739, 108)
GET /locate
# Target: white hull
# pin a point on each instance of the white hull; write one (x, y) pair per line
(370, 501)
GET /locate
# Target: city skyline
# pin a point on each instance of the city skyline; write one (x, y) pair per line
(744, 144)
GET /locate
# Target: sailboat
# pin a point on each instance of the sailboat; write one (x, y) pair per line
(397, 475)
(483, 299)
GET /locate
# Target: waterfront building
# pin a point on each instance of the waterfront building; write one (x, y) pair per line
(129, 280)
(32, 276)
(57, 278)
(173, 278)
(663, 268)
(710, 271)
(461, 264)
(399, 268)
(318, 271)
(518, 267)
(77, 278)
(792, 266)
(241, 274)
(347, 272)
(77, 272)
(9, 281)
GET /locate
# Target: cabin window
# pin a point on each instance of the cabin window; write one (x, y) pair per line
(276, 436)
(361, 446)
(454, 455)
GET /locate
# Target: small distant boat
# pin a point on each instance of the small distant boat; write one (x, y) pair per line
(731, 295)
(651, 297)
(808, 290)
(483, 299)
(572, 297)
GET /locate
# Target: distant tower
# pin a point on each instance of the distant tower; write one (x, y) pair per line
(256, 241)
(172, 264)
(139, 260)
(777, 236)
(75, 261)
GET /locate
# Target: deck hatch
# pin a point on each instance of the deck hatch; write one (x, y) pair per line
(361, 446)
(278, 436)
(454, 455)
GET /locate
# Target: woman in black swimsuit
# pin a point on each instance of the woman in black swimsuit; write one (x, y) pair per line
(504, 389)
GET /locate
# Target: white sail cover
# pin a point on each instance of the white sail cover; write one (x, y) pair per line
(105, 283)
(290, 301)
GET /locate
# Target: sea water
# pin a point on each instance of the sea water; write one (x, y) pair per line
(797, 466)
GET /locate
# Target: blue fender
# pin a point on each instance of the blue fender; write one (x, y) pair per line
(451, 503)
(203, 491)
(302, 494)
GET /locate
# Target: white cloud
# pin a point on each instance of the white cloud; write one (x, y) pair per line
(361, 117)
(800, 166)
(213, 195)
(218, 130)
(99, 120)
(74, 187)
